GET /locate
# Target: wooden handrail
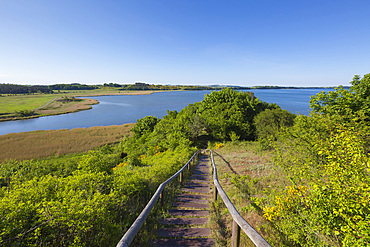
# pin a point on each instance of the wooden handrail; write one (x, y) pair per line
(238, 221)
(135, 227)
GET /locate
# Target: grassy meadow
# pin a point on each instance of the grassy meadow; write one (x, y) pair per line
(13, 103)
(50, 104)
(45, 143)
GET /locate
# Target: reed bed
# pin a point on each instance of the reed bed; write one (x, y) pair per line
(45, 143)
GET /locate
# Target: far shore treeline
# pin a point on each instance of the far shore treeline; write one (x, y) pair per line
(8, 88)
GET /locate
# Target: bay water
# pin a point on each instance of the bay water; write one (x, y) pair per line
(121, 109)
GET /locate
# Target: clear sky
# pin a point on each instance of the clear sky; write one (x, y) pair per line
(189, 42)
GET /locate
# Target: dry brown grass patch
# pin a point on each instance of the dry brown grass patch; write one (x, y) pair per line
(45, 143)
(60, 107)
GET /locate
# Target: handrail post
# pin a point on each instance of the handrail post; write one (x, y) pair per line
(235, 241)
(161, 198)
(214, 193)
(180, 177)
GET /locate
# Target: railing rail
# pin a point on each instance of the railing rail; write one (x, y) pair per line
(238, 221)
(135, 227)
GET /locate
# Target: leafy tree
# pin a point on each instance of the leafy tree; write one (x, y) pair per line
(144, 125)
(352, 102)
(228, 111)
(269, 123)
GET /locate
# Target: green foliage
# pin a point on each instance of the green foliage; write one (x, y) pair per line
(144, 125)
(73, 211)
(270, 122)
(24, 113)
(228, 111)
(94, 199)
(352, 102)
(327, 201)
(96, 161)
(30, 169)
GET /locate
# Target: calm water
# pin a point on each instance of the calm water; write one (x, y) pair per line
(117, 110)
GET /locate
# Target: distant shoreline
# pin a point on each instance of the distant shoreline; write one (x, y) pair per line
(52, 108)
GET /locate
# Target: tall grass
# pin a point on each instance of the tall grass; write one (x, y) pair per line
(45, 143)
(246, 173)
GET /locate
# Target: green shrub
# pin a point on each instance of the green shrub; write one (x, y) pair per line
(24, 113)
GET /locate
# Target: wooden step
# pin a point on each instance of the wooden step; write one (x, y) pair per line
(184, 199)
(190, 205)
(194, 242)
(200, 176)
(198, 185)
(183, 232)
(188, 212)
(199, 181)
(194, 196)
(184, 221)
(205, 191)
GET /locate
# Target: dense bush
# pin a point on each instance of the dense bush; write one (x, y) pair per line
(345, 102)
(325, 200)
(270, 122)
(24, 113)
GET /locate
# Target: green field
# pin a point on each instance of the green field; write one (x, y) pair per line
(10, 104)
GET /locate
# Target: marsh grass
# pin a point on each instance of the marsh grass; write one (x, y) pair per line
(61, 107)
(245, 172)
(46, 143)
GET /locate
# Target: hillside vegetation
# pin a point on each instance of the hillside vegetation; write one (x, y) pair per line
(310, 188)
(314, 190)
(92, 199)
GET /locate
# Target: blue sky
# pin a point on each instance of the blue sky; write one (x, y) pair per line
(189, 42)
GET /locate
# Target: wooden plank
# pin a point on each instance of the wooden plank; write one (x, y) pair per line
(190, 205)
(183, 232)
(200, 181)
(184, 221)
(194, 196)
(188, 213)
(200, 185)
(194, 242)
(197, 187)
(206, 191)
(185, 199)
(200, 176)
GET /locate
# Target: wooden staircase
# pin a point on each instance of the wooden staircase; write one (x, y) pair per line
(190, 213)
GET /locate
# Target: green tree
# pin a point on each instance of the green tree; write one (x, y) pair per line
(269, 123)
(229, 112)
(144, 125)
(352, 102)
